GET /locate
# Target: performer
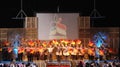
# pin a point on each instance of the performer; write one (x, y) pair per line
(15, 44)
(28, 54)
(97, 53)
(101, 52)
(41, 52)
(31, 43)
(37, 53)
(25, 55)
(50, 50)
(80, 55)
(20, 53)
(31, 54)
(75, 53)
(66, 53)
(46, 54)
(78, 51)
(91, 53)
(70, 50)
(59, 53)
(81, 52)
(9, 54)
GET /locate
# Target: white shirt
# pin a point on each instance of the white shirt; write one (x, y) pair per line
(50, 49)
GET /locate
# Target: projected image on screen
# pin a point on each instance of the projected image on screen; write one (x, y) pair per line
(57, 26)
(58, 30)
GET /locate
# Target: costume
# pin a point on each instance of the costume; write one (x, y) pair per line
(58, 30)
(16, 43)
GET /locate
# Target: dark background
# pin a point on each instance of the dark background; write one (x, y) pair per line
(107, 8)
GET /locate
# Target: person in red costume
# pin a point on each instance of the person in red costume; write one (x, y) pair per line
(58, 30)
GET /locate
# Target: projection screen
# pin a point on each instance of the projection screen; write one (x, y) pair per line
(57, 26)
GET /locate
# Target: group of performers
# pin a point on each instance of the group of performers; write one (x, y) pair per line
(57, 50)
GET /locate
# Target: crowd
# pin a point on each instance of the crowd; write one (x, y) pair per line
(30, 50)
(43, 50)
(20, 64)
(101, 64)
